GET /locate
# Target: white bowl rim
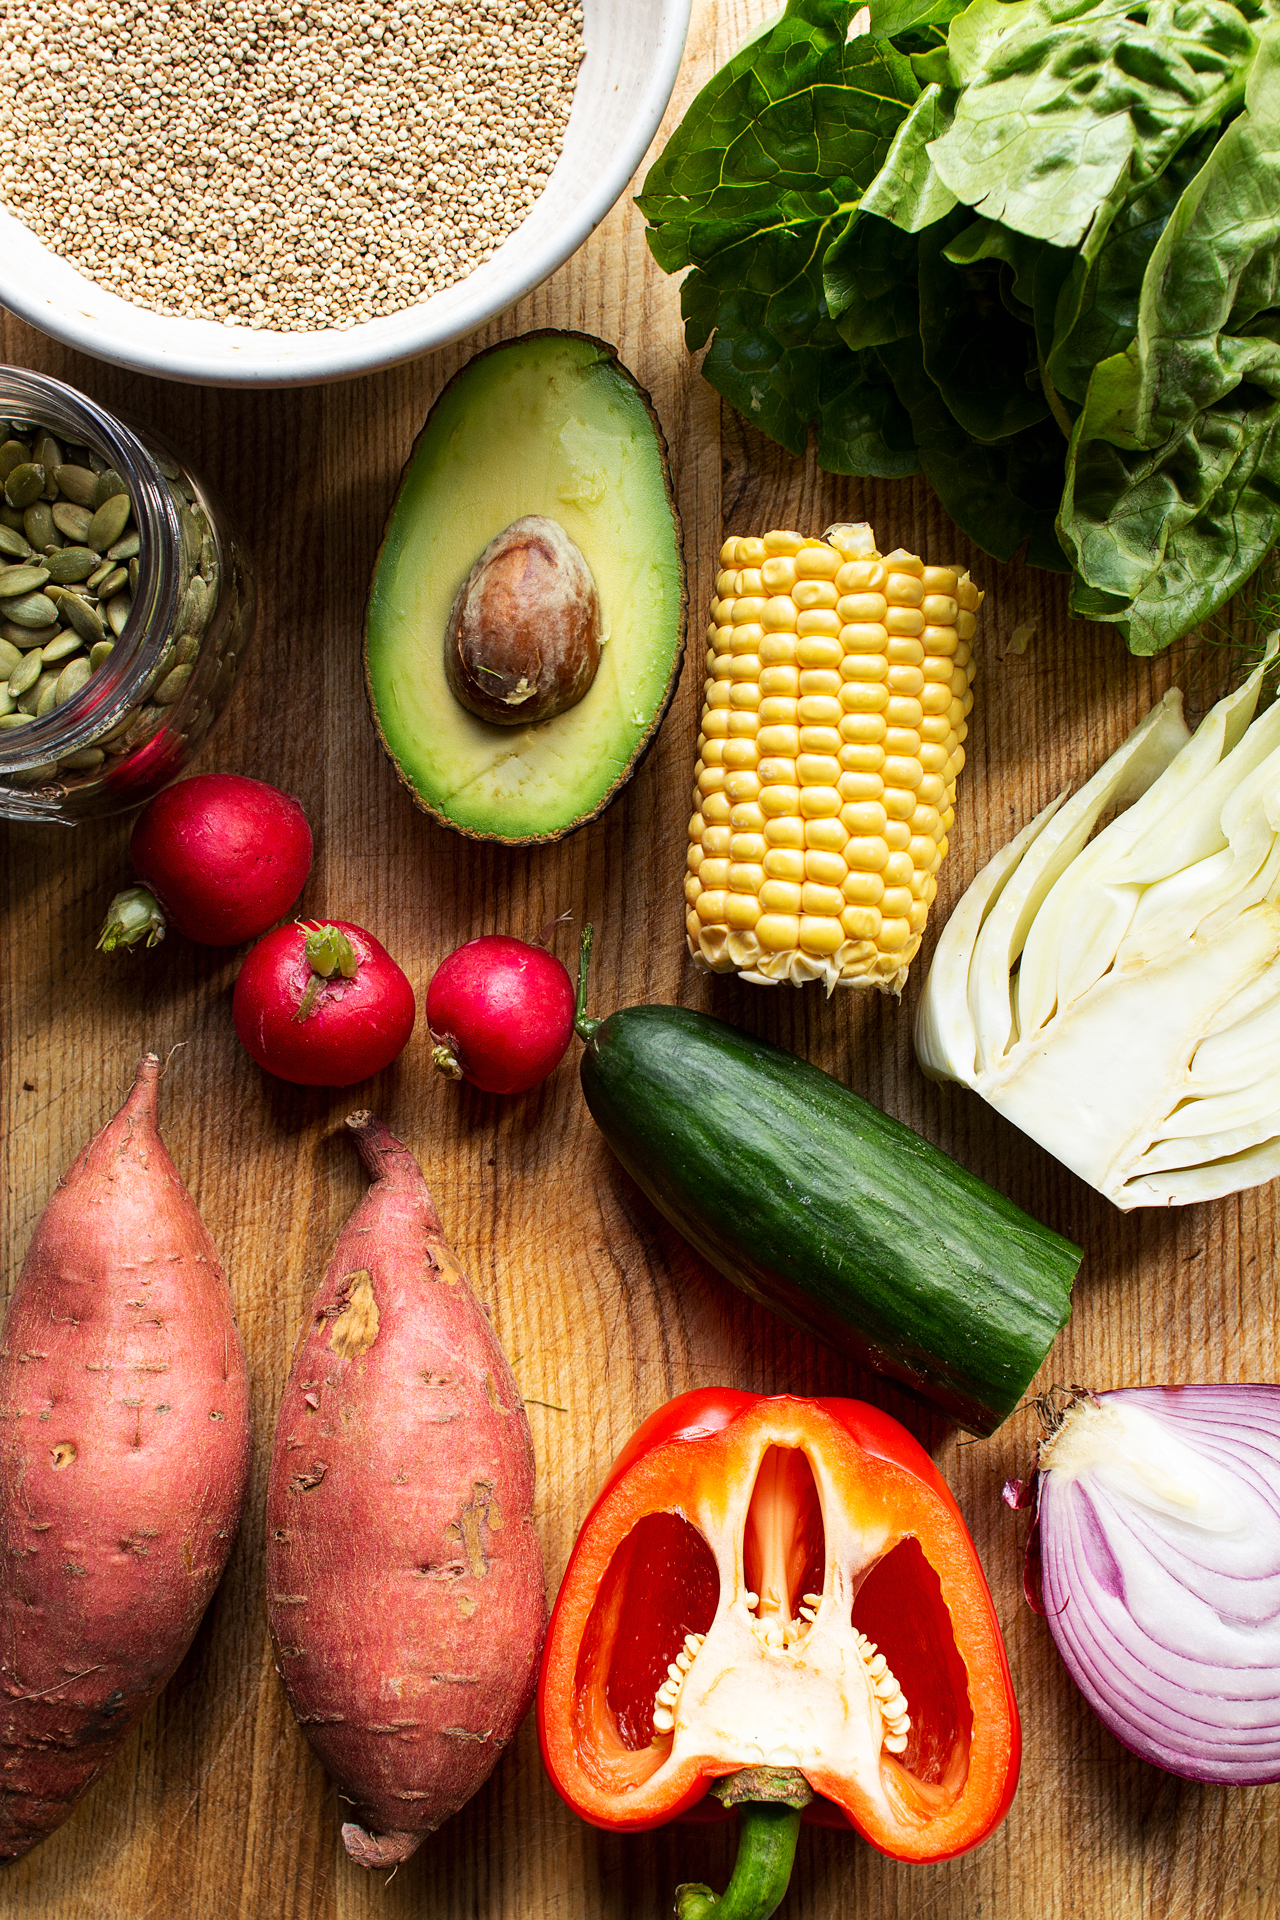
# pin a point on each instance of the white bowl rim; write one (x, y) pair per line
(330, 354)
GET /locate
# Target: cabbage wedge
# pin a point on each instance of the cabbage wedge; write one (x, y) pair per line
(1117, 997)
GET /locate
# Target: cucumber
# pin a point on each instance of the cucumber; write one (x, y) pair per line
(828, 1211)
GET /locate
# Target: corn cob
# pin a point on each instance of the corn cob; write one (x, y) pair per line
(838, 682)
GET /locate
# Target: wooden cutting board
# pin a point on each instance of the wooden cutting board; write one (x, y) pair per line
(217, 1810)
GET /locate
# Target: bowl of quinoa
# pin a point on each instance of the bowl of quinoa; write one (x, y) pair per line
(241, 193)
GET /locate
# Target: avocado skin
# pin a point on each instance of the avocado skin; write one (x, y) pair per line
(586, 349)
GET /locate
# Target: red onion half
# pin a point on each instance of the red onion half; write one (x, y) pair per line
(1158, 1521)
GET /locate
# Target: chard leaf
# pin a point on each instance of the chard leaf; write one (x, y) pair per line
(869, 277)
(1035, 275)
(1097, 316)
(863, 427)
(1066, 106)
(890, 18)
(907, 189)
(1173, 479)
(762, 172)
(981, 358)
(1003, 496)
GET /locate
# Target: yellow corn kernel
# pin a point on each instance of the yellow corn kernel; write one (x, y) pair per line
(780, 896)
(863, 890)
(742, 911)
(826, 835)
(820, 935)
(784, 863)
(824, 901)
(778, 932)
(838, 687)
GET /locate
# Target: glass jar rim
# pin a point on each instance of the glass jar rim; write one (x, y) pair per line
(118, 684)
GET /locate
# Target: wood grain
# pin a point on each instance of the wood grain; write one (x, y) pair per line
(216, 1810)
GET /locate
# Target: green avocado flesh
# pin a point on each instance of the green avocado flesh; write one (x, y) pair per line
(548, 424)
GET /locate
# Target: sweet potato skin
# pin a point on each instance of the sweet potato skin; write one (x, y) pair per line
(124, 1460)
(404, 1578)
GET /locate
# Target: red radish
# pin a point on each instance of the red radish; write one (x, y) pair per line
(220, 858)
(322, 1004)
(124, 1459)
(500, 1013)
(404, 1577)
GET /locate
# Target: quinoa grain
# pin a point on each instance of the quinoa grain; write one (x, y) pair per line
(283, 164)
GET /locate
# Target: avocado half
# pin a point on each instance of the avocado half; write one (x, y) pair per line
(551, 423)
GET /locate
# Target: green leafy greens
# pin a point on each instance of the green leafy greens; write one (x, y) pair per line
(1030, 248)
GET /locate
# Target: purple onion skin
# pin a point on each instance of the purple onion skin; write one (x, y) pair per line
(1167, 1615)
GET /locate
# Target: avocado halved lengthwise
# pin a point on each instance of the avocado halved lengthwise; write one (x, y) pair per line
(550, 424)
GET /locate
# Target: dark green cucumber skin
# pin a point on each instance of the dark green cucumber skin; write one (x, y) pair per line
(823, 1208)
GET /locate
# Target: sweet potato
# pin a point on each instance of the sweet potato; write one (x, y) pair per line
(404, 1578)
(124, 1458)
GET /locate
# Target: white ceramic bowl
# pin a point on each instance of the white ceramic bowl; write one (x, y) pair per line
(633, 50)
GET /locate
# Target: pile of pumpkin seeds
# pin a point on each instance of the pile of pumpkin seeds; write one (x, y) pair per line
(68, 571)
(69, 556)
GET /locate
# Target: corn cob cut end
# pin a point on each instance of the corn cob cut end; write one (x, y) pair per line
(838, 689)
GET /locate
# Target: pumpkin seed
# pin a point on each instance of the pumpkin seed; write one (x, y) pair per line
(46, 694)
(117, 610)
(9, 659)
(14, 453)
(71, 679)
(48, 453)
(126, 548)
(146, 722)
(32, 610)
(7, 702)
(14, 545)
(84, 617)
(87, 760)
(132, 570)
(172, 686)
(110, 487)
(70, 565)
(62, 648)
(115, 580)
(23, 579)
(188, 649)
(100, 650)
(26, 674)
(37, 524)
(25, 638)
(193, 531)
(78, 484)
(11, 720)
(24, 485)
(72, 520)
(109, 522)
(114, 735)
(194, 616)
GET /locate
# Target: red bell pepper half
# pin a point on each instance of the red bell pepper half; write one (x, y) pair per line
(777, 1600)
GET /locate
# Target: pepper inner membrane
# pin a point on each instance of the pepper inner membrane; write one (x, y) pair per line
(783, 1544)
(900, 1607)
(662, 1584)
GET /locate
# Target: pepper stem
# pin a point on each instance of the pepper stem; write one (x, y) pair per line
(769, 1801)
(135, 914)
(328, 951)
(584, 1028)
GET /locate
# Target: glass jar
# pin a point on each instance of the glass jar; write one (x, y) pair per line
(173, 652)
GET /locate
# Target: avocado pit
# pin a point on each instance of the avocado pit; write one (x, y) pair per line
(523, 638)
